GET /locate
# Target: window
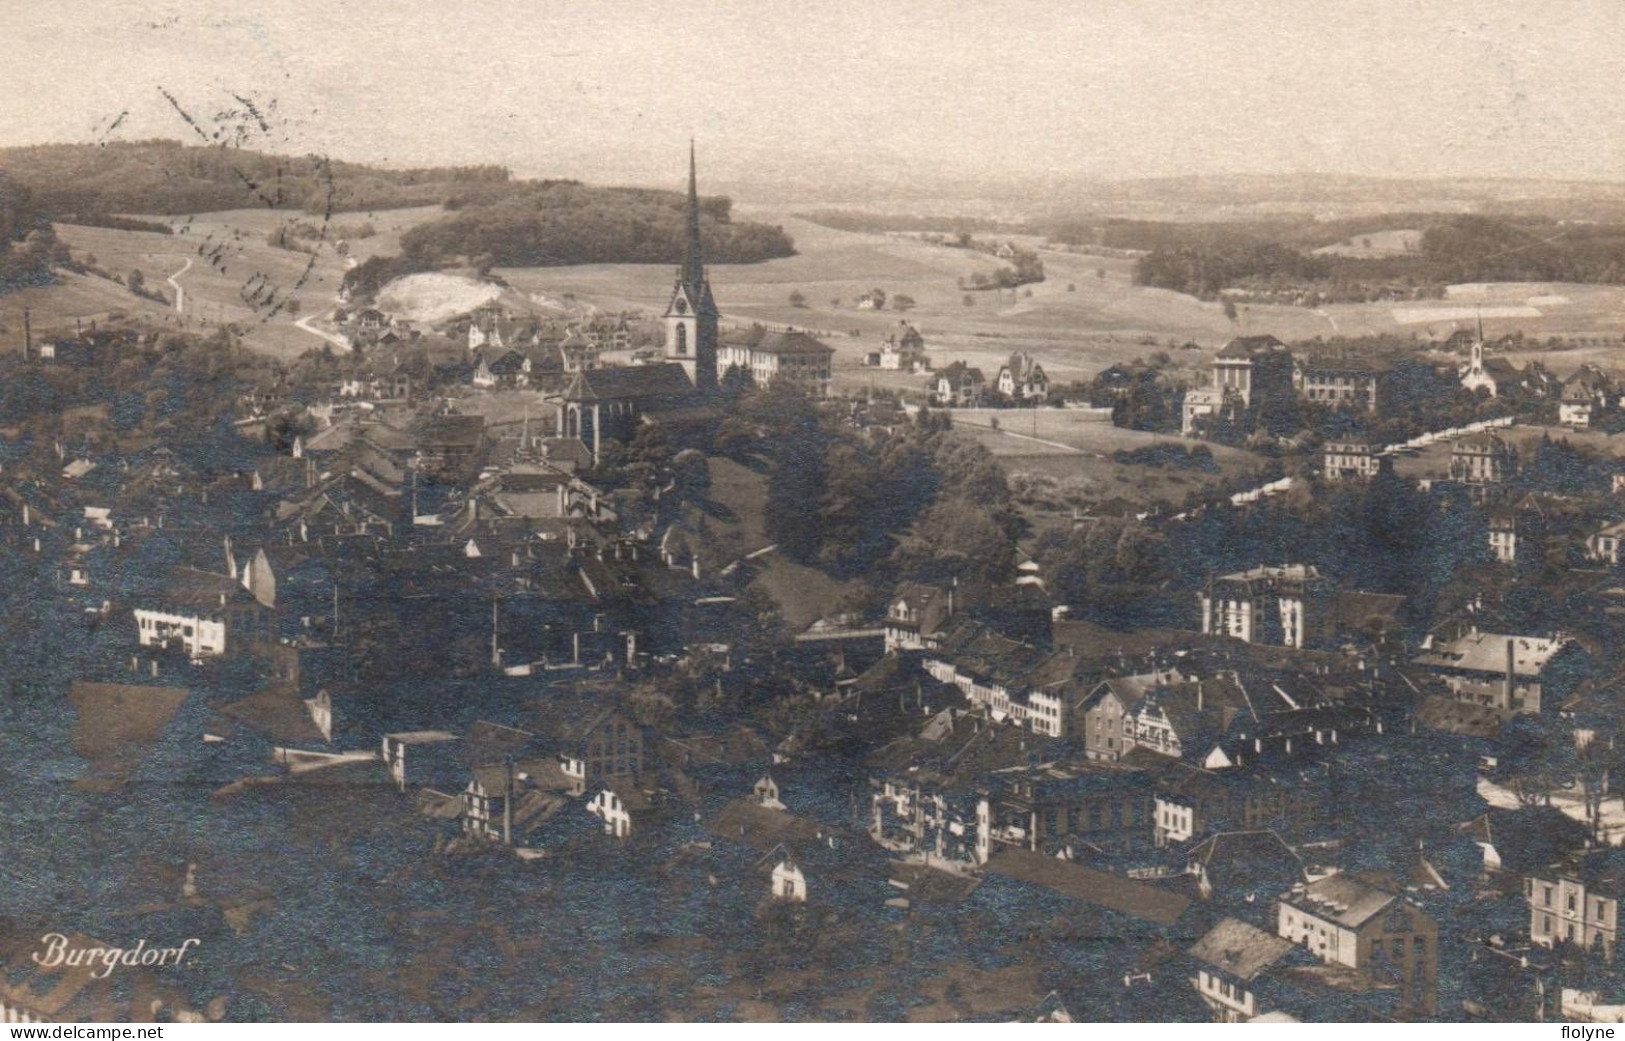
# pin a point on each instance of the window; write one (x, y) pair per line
(1571, 901)
(1546, 895)
(682, 339)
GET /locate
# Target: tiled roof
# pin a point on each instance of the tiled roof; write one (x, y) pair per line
(1239, 950)
(1103, 889)
(631, 383)
(1487, 652)
(1342, 899)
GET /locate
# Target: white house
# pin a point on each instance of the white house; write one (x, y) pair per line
(609, 807)
(789, 883)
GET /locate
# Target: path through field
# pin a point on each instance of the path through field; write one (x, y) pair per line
(336, 339)
(180, 293)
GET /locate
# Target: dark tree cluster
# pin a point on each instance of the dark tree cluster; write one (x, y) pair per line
(1205, 261)
(551, 223)
(28, 243)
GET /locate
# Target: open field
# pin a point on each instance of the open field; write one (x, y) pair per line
(1088, 313)
(1070, 449)
(1392, 243)
(212, 291)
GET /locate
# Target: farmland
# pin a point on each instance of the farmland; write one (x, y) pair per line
(217, 260)
(1086, 315)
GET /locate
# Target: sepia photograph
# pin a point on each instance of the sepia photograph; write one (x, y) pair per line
(616, 511)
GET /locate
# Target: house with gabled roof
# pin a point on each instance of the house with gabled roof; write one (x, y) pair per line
(957, 386)
(203, 613)
(917, 616)
(1230, 960)
(1586, 396)
(1022, 378)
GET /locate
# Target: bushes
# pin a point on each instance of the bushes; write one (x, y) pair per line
(1169, 453)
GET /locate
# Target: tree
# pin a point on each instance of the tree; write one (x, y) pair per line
(879, 297)
(902, 302)
(137, 282)
(1230, 309)
(968, 300)
(798, 298)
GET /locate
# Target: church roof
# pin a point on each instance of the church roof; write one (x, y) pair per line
(631, 383)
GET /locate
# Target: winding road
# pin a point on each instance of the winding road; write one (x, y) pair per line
(336, 339)
(180, 293)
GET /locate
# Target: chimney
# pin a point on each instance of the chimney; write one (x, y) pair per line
(507, 810)
(1511, 672)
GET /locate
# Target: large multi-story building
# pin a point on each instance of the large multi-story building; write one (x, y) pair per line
(1577, 902)
(1053, 809)
(1351, 460)
(1343, 920)
(1267, 604)
(788, 357)
(1248, 372)
(1512, 673)
(1340, 383)
(1482, 458)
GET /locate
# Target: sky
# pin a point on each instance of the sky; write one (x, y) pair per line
(884, 89)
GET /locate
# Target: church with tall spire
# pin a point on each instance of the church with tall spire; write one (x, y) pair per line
(609, 403)
(691, 316)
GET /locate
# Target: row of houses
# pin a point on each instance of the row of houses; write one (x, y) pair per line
(1021, 379)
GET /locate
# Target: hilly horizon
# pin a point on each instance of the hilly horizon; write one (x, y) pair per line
(55, 173)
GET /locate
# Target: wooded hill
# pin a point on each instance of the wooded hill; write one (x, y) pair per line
(493, 220)
(167, 177)
(1452, 249)
(550, 223)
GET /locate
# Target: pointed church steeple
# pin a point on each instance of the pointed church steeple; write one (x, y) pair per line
(694, 258)
(691, 317)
